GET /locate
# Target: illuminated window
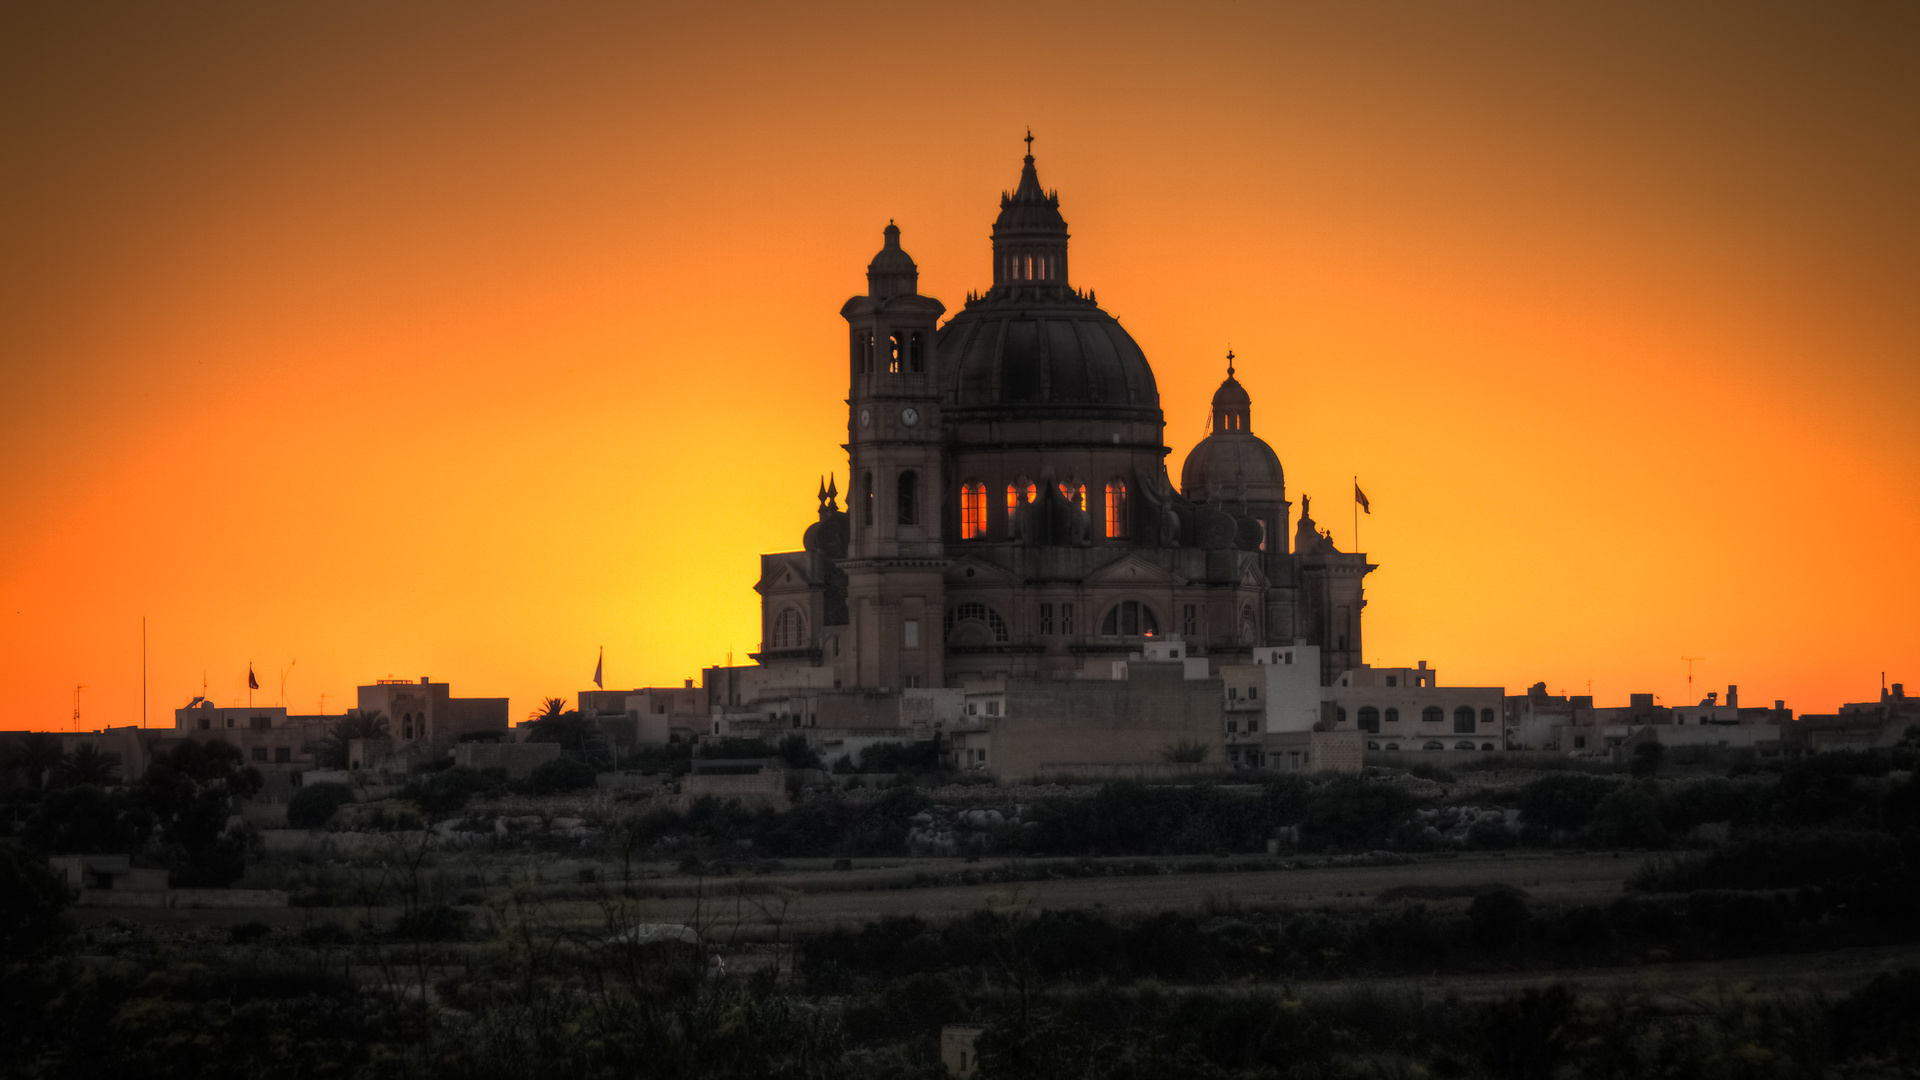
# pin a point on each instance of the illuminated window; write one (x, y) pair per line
(789, 629)
(907, 498)
(973, 509)
(917, 352)
(1074, 495)
(960, 613)
(1116, 510)
(1029, 268)
(1129, 618)
(893, 354)
(866, 499)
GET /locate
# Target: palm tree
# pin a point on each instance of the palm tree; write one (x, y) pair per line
(37, 755)
(88, 764)
(355, 725)
(550, 709)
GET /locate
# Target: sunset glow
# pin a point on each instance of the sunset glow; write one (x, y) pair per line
(463, 340)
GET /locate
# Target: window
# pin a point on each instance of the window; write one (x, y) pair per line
(973, 510)
(910, 633)
(866, 499)
(260, 723)
(1045, 620)
(1393, 746)
(1463, 744)
(907, 498)
(1129, 618)
(1116, 510)
(893, 354)
(1190, 621)
(259, 753)
(863, 353)
(974, 610)
(1077, 496)
(1463, 720)
(205, 723)
(789, 629)
(1253, 726)
(1393, 715)
(1486, 716)
(1579, 742)
(282, 755)
(1432, 714)
(917, 352)
(1066, 619)
(993, 708)
(1369, 718)
(1253, 692)
(1339, 714)
(1433, 744)
(1233, 727)
(1393, 680)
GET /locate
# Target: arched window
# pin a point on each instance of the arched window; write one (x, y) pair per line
(866, 354)
(1116, 510)
(866, 499)
(1369, 718)
(1434, 744)
(1129, 618)
(1486, 716)
(907, 498)
(917, 352)
(1463, 721)
(789, 629)
(1393, 746)
(893, 353)
(1248, 627)
(1487, 746)
(1393, 715)
(960, 613)
(1432, 714)
(858, 359)
(1463, 744)
(1029, 268)
(973, 509)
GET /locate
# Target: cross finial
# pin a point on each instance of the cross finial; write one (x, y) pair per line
(1229, 361)
(1029, 142)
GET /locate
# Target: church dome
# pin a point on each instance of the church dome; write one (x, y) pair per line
(892, 272)
(1033, 341)
(1036, 351)
(1233, 463)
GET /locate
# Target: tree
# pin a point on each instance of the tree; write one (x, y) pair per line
(549, 709)
(355, 725)
(1647, 757)
(33, 903)
(314, 804)
(87, 819)
(191, 791)
(88, 764)
(579, 737)
(35, 757)
(1184, 752)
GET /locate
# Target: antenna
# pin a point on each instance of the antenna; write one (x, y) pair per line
(283, 680)
(1690, 660)
(323, 703)
(76, 707)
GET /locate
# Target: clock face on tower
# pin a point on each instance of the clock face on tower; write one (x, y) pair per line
(866, 418)
(909, 417)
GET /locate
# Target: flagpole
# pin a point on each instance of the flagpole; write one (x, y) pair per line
(1356, 515)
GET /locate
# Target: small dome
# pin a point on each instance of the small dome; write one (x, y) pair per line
(1029, 209)
(892, 272)
(1234, 465)
(1231, 397)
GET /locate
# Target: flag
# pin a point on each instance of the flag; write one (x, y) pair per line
(597, 666)
(252, 683)
(1361, 497)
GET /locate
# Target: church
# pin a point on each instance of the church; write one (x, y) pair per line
(1010, 512)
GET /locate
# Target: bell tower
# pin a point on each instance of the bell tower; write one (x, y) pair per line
(896, 490)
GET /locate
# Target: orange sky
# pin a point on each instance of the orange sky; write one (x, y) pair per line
(462, 339)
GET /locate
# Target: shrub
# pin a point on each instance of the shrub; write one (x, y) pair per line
(33, 904)
(796, 754)
(1775, 861)
(560, 775)
(1628, 817)
(435, 922)
(1647, 757)
(1563, 803)
(314, 805)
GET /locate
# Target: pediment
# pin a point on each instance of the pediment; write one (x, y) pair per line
(785, 572)
(1134, 570)
(968, 570)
